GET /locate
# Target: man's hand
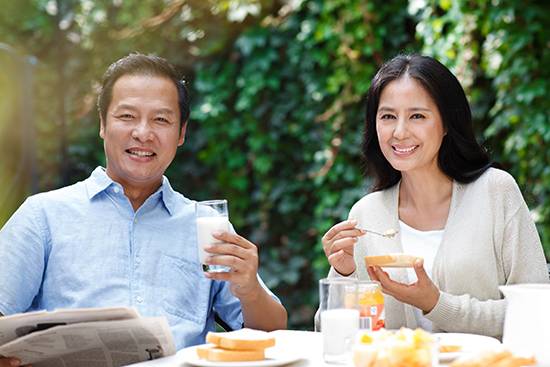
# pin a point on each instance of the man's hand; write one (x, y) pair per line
(260, 310)
(422, 294)
(339, 243)
(241, 256)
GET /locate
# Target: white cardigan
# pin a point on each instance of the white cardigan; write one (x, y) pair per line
(489, 240)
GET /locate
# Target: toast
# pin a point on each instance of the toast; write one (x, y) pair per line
(213, 353)
(243, 339)
(236, 346)
(391, 260)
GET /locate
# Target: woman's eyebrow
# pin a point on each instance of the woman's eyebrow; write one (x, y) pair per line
(389, 109)
(419, 109)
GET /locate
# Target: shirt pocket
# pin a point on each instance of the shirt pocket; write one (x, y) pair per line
(182, 289)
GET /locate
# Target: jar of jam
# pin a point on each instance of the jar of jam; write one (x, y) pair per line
(370, 301)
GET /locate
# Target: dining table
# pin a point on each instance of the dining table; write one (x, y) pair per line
(293, 349)
(300, 348)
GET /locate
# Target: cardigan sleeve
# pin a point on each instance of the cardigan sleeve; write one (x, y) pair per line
(522, 252)
(465, 313)
(523, 261)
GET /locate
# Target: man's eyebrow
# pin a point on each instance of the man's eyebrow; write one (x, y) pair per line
(125, 105)
(166, 110)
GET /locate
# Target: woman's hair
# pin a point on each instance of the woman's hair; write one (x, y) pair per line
(460, 156)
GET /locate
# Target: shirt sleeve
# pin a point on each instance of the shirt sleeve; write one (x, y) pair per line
(22, 252)
(228, 307)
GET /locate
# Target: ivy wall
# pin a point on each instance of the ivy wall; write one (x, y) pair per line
(278, 91)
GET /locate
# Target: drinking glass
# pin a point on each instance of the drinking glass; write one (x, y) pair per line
(339, 316)
(212, 216)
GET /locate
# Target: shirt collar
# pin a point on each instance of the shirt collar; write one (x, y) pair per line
(169, 196)
(99, 182)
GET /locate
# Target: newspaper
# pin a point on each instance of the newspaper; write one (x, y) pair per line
(94, 337)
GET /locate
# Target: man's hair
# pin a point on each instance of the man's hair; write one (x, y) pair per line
(139, 64)
(460, 156)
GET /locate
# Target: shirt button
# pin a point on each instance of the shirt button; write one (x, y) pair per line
(116, 190)
(138, 261)
(139, 299)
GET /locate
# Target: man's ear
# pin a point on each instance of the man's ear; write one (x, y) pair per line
(101, 128)
(182, 133)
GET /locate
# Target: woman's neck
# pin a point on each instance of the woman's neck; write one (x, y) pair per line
(424, 199)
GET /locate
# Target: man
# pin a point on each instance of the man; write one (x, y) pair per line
(124, 236)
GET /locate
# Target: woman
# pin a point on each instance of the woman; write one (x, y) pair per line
(434, 185)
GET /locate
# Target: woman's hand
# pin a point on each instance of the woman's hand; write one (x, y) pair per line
(339, 243)
(422, 294)
(9, 362)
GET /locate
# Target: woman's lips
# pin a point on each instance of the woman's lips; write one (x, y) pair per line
(404, 151)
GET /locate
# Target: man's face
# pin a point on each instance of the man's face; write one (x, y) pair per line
(142, 130)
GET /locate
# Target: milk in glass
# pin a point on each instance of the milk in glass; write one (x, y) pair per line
(339, 327)
(211, 217)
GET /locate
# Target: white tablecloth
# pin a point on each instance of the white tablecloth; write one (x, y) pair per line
(305, 344)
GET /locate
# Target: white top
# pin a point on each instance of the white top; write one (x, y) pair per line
(424, 244)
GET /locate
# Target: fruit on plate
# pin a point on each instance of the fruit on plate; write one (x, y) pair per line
(405, 347)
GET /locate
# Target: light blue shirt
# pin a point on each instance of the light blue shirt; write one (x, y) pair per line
(84, 246)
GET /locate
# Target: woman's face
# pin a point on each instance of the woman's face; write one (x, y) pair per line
(409, 126)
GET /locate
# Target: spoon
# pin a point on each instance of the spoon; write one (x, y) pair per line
(389, 233)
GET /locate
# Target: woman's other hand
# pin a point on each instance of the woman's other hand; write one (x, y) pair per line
(9, 362)
(339, 243)
(422, 294)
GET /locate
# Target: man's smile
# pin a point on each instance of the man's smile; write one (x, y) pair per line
(140, 152)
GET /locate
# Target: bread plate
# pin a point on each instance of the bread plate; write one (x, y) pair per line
(468, 343)
(274, 357)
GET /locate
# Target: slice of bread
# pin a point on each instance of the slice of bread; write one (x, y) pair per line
(243, 339)
(392, 260)
(202, 350)
(213, 353)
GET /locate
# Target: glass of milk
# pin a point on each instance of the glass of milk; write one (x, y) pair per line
(339, 313)
(212, 216)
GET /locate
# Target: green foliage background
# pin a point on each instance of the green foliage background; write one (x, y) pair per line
(278, 91)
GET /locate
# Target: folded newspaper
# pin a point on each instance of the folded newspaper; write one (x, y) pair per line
(89, 337)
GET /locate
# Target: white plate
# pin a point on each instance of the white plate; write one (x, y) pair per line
(274, 357)
(469, 344)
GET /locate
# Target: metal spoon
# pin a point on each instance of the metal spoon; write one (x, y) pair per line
(389, 233)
